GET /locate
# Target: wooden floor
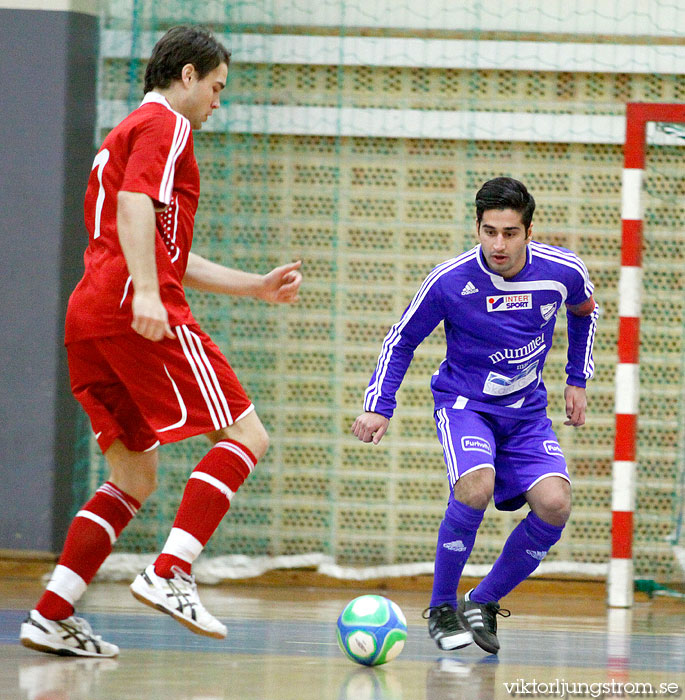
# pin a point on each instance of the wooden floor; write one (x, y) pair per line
(281, 646)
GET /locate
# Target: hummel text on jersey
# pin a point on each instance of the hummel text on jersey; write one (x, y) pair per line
(524, 353)
(469, 288)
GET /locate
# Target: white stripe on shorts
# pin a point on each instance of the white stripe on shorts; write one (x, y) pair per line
(448, 446)
(201, 377)
(214, 381)
(181, 404)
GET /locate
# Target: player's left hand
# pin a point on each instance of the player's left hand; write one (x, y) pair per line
(281, 285)
(576, 403)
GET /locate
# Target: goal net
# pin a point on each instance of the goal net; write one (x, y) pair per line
(648, 433)
(354, 136)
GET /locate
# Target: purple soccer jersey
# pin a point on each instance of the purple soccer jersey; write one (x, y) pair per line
(498, 333)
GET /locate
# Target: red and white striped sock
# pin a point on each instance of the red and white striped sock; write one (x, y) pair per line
(90, 539)
(206, 499)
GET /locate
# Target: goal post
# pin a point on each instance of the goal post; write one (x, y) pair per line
(627, 382)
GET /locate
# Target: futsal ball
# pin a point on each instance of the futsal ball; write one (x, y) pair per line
(372, 630)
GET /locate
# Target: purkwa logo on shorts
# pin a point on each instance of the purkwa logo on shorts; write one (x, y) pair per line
(471, 443)
(552, 448)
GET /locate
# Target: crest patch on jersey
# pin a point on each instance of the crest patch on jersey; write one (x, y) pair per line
(510, 302)
(547, 310)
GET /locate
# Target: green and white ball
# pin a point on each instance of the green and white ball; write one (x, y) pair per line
(372, 630)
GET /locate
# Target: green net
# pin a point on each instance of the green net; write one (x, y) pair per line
(354, 136)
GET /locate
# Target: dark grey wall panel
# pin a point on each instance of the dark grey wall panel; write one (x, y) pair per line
(47, 120)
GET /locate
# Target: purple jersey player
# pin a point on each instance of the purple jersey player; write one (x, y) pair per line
(499, 303)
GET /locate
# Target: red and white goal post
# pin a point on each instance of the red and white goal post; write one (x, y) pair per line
(620, 576)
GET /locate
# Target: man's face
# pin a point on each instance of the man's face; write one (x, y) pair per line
(504, 240)
(202, 96)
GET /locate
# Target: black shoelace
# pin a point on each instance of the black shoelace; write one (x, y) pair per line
(490, 612)
(445, 617)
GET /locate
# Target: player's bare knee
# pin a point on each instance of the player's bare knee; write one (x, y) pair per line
(147, 487)
(557, 518)
(145, 483)
(141, 485)
(555, 509)
(475, 489)
(135, 473)
(260, 441)
(249, 431)
(478, 501)
(550, 500)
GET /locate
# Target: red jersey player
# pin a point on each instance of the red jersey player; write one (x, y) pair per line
(139, 364)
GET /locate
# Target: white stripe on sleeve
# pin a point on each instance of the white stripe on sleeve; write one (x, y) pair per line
(181, 133)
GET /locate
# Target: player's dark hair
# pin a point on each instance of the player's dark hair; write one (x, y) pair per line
(505, 193)
(178, 47)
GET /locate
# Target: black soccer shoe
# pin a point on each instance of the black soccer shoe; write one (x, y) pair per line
(481, 619)
(447, 628)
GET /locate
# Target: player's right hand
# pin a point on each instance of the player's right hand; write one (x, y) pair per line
(150, 317)
(370, 427)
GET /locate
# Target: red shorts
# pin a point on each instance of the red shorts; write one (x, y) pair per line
(147, 393)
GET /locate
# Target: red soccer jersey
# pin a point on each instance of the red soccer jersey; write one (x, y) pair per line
(151, 151)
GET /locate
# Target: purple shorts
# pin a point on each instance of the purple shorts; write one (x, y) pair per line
(520, 452)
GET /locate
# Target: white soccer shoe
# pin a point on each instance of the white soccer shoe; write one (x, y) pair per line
(70, 637)
(177, 597)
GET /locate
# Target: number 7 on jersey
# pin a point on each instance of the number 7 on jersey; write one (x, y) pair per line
(100, 161)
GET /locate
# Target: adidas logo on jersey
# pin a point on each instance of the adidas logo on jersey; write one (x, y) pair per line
(456, 546)
(469, 288)
(536, 555)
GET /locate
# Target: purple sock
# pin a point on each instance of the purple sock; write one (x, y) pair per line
(523, 551)
(456, 536)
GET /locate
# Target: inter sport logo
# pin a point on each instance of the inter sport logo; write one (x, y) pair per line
(510, 302)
